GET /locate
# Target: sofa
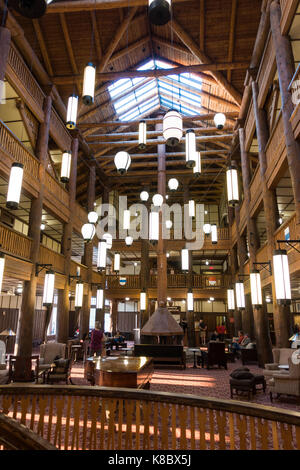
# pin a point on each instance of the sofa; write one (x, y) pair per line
(285, 382)
(162, 354)
(280, 357)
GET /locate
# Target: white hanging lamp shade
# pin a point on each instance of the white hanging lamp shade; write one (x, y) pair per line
(185, 260)
(214, 234)
(117, 262)
(88, 232)
(197, 167)
(89, 78)
(101, 258)
(142, 135)
(14, 186)
(126, 219)
(232, 186)
(65, 168)
(143, 301)
(49, 288)
(172, 127)
(220, 120)
(99, 297)
(157, 200)
(190, 148)
(122, 162)
(255, 286)
(144, 196)
(79, 294)
(240, 295)
(159, 12)
(2, 92)
(169, 224)
(92, 217)
(192, 210)
(230, 300)
(2, 264)
(282, 277)
(190, 301)
(72, 112)
(207, 229)
(154, 226)
(109, 240)
(173, 184)
(128, 240)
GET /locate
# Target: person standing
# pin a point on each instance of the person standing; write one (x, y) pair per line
(97, 339)
(202, 328)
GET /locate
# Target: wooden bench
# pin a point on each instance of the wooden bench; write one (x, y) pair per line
(162, 354)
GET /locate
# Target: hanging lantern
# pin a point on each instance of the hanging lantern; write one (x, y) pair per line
(92, 217)
(169, 224)
(101, 258)
(172, 127)
(173, 184)
(159, 12)
(190, 148)
(30, 9)
(88, 232)
(14, 186)
(89, 78)
(142, 135)
(117, 261)
(191, 208)
(214, 234)
(99, 297)
(197, 167)
(2, 264)
(72, 112)
(143, 301)
(122, 161)
(207, 229)
(65, 167)
(220, 120)
(232, 186)
(109, 240)
(185, 260)
(282, 277)
(255, 285)
(153, 226)
(190, 301)
(126, 219)
(230, 299)
(240, 295)
(49, 288)
(157, 200)
(78, 294)
(144, 196)
(128, 240)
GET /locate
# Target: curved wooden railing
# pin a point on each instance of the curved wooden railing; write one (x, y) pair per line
(90, 418)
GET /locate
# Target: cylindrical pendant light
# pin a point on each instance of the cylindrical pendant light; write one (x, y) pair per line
(79, 294)
(230, 300)
(126, 219)
(282, 277)
(207, 229)
(169, 224)
(190, 148)
(190, 301)
(240, 295)
(220, 120)
(101, 258)
(49, 288)
(185, 260)
(92, 217)
(159, 12)
(72, 112)
(14, 186)
(2, 264)
(153, 226)
(128, 240)
(88, 232)
(144, 196)
(65, 167)
(157, 200)
(117, 262)
(173, 184)
(232, 186)
(109, 240)
(255, 285)
(197, 167)
(143, 301)
(122, 161)
(192, 209)
(142, 135)
(89, 78)
(172, 127)
(99, 297)
(214, 234)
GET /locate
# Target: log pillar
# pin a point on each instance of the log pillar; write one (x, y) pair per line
(5, 39)
(161, 249)
(114, 316)
(25, 334)
(63, 311)
(145, 278)
(190, 317)
(100, 312)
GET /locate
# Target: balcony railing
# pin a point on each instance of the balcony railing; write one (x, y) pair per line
(213, 281)
(14, 242)
(95, 418)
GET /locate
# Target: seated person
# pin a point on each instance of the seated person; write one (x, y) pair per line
(117, 339)
(221, 329)
(236, 342)
(214, 336)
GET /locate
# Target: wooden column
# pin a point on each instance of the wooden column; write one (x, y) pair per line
(35, 219)
(145, 278)
(5, 39)
(161, 249)
(114, 316)
(286, 69)
(62, 331)
(100, 312)
(190, 317)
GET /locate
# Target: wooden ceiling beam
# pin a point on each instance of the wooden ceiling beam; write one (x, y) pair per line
(96, 35)
(168, 155)
(202, 25)
(43, 47)
(88, 5)
(207, 138)
(231, 35)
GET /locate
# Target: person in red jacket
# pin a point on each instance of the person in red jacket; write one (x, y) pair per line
(96, 340)
(221, 329)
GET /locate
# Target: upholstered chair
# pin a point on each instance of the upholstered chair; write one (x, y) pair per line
(280, 358)
(50, 351)
(286, 382)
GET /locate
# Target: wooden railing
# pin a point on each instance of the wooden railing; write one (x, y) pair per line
(275, 150)
(132, 282)
(213, 281)
(266, 71)
(14, 242)
(94, 418)
(47, 256)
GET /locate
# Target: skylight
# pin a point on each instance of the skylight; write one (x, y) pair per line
(137, 97)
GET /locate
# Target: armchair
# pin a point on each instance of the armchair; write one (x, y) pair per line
(215, 355)
(286, 382)
(280, 357)
(48, 352)
(60, 371)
